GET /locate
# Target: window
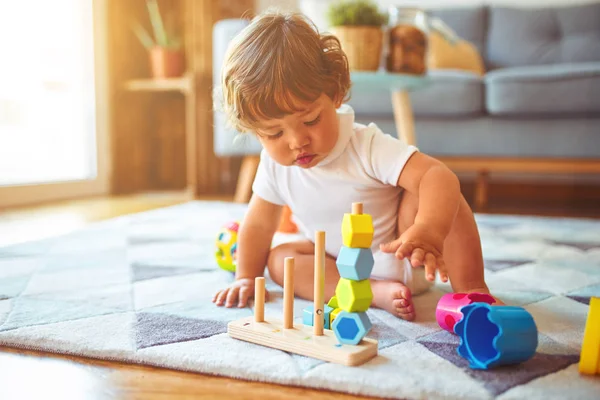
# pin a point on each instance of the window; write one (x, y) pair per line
(49, 120)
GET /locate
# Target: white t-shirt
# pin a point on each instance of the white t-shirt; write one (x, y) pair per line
(363, 166)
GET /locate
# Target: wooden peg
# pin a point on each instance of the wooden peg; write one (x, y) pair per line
(259, 299)
(357, 208)
(288, 293)
(319, 284)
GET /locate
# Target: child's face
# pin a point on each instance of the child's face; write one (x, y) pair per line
(303, 138)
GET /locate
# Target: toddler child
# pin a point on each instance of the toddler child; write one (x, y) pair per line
(287, 83)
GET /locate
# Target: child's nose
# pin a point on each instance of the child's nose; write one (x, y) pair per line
(299, 139)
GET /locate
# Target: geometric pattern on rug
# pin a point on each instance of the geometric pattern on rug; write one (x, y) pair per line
(582, 299)
(153, 329)
(499, 380)
(498, 265)
(578, 245)
(584, 294)
(142, 272)
(138, 289)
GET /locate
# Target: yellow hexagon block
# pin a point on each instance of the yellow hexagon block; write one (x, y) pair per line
(333, 315)
(357, 230)
(354, 296)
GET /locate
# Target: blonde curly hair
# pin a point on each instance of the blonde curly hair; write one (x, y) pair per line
(277, 61)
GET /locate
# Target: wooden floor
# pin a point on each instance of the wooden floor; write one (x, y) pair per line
(26, 374)
(37, 222)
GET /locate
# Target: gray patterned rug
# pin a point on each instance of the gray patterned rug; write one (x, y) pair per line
(138, 288)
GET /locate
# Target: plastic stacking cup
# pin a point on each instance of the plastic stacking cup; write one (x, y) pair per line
(491, 336)
(448, 311)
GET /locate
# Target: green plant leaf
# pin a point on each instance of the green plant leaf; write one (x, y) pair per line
(157, 25)
(356, 12)
(142, 35)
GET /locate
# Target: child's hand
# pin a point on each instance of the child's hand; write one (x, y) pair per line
(422, 246)
(238, 292)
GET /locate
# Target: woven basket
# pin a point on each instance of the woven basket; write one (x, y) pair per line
(362, 45)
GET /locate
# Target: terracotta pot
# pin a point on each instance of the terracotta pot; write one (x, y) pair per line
(362, 45)
(166, 63)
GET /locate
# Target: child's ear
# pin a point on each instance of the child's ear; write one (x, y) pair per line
(337, 101)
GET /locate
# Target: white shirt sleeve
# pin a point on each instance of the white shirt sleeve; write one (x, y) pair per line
(265, 182)
(386, 155)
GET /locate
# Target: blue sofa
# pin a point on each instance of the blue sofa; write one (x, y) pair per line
(539, 99)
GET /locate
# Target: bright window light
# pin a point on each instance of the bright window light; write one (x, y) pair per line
(47, 98)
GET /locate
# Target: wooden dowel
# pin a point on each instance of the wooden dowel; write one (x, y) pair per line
(288, 293)
(357, 208)
(259, 299)
(319, 289)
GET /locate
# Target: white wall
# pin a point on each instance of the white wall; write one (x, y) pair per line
(291, 5)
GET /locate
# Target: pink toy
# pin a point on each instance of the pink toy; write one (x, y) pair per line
(448, 311)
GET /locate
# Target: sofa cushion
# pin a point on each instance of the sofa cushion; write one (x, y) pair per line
(537, 36)
(555, 137)
(470, 23)
(449, 94)
(548, 89)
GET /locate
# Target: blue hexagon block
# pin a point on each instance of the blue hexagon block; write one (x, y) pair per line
(355, 264)
(351, 328)
(307, 316)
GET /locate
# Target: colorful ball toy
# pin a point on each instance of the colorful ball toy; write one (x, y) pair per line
(226, 246)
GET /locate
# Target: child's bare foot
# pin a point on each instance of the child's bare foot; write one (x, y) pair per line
(394, 297)
(486, 291)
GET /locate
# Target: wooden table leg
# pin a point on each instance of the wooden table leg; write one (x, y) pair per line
(248, 169)
(481, 190)
(403, 116)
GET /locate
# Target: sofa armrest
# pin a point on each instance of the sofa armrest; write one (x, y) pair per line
(227, 141)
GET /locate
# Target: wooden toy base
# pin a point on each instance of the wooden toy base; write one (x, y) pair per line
(300, 340)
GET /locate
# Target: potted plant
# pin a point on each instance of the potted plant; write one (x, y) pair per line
(165, 49)
(358, 25)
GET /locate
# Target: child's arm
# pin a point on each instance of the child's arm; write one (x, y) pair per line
(254, 242)
(438, 190)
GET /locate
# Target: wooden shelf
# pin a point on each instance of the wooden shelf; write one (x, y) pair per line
(182, 84)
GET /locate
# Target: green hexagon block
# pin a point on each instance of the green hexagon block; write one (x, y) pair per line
(333, 302)
(354, 296)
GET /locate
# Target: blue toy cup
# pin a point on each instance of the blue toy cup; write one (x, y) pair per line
(491, 336)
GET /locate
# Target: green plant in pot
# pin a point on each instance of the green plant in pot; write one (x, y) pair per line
(164, 48)
(358, 26)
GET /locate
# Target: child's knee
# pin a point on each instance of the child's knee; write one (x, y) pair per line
(275, 260)
(275, 264)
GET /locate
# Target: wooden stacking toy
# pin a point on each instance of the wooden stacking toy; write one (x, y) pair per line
(353, 294)
(285, 335)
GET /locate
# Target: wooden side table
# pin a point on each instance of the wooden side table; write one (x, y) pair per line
(399, 86)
